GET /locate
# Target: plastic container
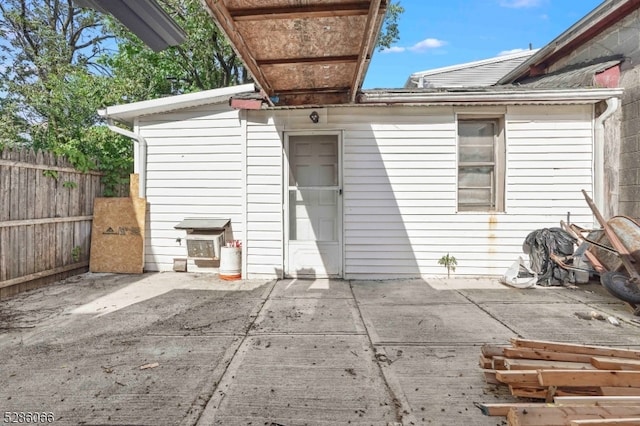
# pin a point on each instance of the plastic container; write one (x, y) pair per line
(230, 263)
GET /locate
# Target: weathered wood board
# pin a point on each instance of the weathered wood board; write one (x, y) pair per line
(117, 236)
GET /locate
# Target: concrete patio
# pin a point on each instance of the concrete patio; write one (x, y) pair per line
(187, 349)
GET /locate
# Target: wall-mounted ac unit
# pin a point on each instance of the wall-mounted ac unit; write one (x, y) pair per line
(204, 245)
(205, 237)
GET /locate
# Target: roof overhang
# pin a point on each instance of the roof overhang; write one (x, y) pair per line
(490, 97)
(594, 23)
(144, 18)
(303, 52)
(505, 95)
(128, 112)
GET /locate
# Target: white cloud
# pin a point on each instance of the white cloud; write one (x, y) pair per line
(518, 4)
(426, 44)
(421, 46)
(510, 52)
(393, 49)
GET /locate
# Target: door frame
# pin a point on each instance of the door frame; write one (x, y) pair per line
(285, 195)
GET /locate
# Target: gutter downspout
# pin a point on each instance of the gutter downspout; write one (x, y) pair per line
(140, 160)
(598, 157)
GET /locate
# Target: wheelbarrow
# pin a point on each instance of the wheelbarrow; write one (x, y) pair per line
(615, 254)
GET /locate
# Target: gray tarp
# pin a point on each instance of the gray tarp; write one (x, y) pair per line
(539, 245)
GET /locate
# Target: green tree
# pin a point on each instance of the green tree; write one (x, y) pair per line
(52, 81)
(205, 60)
(390, 32)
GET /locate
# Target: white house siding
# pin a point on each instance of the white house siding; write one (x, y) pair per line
(194, 169)
(264, 238)
(399, 168)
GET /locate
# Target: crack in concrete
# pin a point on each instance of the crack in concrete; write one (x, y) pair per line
(486, 311)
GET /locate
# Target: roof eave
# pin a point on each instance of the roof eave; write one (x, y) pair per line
(128, 112)
(550, 96)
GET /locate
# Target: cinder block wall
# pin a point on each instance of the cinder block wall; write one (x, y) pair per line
(621, 39)
(630, 145)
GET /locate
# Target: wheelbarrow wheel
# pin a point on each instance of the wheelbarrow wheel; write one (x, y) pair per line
(619, 286)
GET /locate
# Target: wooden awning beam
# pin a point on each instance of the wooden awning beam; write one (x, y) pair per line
(314, 60)
(225, 22)
(377, 11)
(312, 90)
(299, 12)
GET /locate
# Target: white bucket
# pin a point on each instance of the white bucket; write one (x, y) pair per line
(230, 263)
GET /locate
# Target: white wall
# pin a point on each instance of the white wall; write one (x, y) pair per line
(194, 169)
(399, 166)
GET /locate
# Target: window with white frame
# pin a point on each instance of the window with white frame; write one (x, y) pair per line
(481, 164)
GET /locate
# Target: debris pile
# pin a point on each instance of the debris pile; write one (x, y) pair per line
(575, 384)
(541, 246)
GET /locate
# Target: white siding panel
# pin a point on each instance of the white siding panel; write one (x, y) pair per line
(264, 243)
(399, 170)
(550, 160)
(193, 170)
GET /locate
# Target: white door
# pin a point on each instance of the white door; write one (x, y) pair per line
(314, 237)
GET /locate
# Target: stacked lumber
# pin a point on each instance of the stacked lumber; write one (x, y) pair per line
(578, 384)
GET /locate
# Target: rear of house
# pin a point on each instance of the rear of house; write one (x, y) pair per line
(380, 189)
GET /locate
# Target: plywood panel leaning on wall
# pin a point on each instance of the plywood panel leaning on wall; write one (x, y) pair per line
(117, 235)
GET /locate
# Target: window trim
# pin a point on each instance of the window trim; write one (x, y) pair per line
(499, 163)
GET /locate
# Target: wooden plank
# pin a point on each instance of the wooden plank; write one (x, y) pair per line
(530, 353)
(29, 244)
(43, 274)
(4, 253)
(560, 416)
(485, 362)
(597, 400)
(536, 364)
(5, 188)
(498, 363)
(618, 391)
(14, 193)
(22, 194)
(20, 248)
(490, 351)
(58, 259)
(540, 392)
(28, 222)
(518, 377)
(39, 248)
(577, 348)
(610, 378)
(26, 165)
(626, 421)
(30, 190)
(609, 363)
(490, 377)
(502, 408)
(48, 235)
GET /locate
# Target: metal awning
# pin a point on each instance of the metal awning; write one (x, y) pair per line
(208, 224)
(311, 52)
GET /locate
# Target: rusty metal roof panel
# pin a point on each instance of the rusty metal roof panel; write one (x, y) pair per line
(303, 52)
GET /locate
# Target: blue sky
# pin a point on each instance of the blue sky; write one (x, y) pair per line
(441, 33)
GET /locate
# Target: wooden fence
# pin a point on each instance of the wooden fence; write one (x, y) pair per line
(46, 211)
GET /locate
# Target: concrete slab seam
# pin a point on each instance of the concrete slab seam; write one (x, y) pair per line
(204, 413)
(489, 313)
(401, 403)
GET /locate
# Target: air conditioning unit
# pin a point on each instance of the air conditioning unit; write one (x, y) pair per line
(204, 245)
(204, 237)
